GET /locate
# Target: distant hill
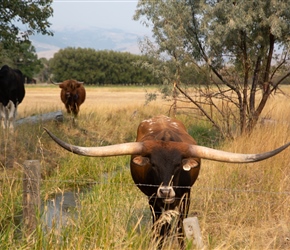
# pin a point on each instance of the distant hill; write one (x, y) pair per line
(92, 37)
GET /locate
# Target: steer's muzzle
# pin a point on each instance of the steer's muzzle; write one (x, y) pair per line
(166, 193)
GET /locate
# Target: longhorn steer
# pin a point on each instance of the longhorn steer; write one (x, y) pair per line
(165, 163)
(12, 92)
(72, 94)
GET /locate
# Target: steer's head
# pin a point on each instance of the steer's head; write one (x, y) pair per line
(70, 88)
(167, 170)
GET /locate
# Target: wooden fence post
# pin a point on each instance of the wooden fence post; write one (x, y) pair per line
(31, 195)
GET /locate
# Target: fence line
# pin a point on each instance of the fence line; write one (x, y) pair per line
(89, 182)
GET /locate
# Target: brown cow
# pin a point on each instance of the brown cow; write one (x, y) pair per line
(165, 163)
(72, 94)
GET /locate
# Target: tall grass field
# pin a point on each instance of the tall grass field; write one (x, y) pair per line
(239, 206)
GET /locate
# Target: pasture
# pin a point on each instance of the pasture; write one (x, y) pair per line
(239, 206)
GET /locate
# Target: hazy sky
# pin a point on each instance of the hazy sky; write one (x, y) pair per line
(97, 13)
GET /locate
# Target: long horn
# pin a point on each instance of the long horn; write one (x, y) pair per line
(219, 155)
(55, 83)
(132, 148)
(112, 150)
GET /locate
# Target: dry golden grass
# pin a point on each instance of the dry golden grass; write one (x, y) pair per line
(247, 206)
(239, 206)
(47, 97)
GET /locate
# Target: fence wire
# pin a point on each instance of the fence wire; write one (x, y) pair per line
(204, 189)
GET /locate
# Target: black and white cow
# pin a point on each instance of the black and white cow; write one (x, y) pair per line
(12, 92)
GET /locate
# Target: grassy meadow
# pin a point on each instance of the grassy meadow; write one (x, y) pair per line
(239, 206)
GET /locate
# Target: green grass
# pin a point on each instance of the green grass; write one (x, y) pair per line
(239, 206)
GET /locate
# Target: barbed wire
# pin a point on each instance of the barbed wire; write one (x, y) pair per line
(107, 182)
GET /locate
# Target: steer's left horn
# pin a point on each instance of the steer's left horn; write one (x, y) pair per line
(219, 155)
(112, 150)
(55, 83)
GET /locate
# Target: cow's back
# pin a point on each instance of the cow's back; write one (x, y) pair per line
(163, 128)
(19, 80)
(11, 85)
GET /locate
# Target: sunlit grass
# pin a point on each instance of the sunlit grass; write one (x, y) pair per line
(239, 206)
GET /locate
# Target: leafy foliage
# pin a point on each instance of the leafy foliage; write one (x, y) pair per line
(28, 62)
(16, 14)
(18, 20)
(23, 57)
(44, 72)
(243, 45)
(99, 67)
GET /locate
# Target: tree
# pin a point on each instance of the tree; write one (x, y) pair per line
(234, 41)
(27, 60)
(19, 19)
(23, 57)
(98, 67)
(44, 72)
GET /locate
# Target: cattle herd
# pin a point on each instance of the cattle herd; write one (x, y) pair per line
(165, 159)
(12, 92)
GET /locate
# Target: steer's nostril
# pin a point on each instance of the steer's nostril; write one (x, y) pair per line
(165, 191)
(167, 194)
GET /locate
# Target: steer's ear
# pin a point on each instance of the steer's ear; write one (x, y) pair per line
(189, 163)
(78, 84)
(141, 161)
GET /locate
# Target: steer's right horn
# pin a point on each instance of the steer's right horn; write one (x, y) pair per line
(219, 155)
(129, 148)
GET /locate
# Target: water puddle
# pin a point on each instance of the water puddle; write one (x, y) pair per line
(60, 209)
